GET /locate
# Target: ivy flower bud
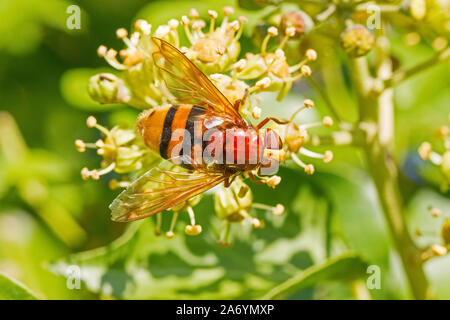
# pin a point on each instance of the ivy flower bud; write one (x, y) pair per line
(91, 122)
(273, 181)
(278, 209)
(439, 250)
(143, 26)
(107, 88)
(240, 65)
(185, 21)
(173, 24)
(263, 83)
(193, 230)
(256, 112)
(170, 234)
(217, 49)
(121, 33)
(212, 14)
(193, 13)
(294, 137)
(162, 31)
(94, 174)
(327, 121)
(297, 22)
(308, 103)
(328, 156)
(80, 145)
(306, 70)
(101, 51)
(85, 173)
(357, 41)
(257, 224)
(309, 169)
(425, 150)
(228, 11)
(311, 54)
(231, 203)
(233, 89)
(272, 31)
(290, 31)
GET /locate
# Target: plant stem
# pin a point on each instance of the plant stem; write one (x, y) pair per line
(403, 75)
(378, 109)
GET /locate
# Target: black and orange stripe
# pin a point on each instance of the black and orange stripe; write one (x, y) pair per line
(159, 125)
(166, 134)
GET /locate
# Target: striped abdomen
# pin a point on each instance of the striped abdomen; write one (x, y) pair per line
(165, 128)
(178, 130)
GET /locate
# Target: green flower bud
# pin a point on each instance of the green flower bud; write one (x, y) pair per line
(294, 137)
(232, 89)
(254, 68)
(107, 88)
(211, 56)
(357, 41)
(123, 147)
(233, 203)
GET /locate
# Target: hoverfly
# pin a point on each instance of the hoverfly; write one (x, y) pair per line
(203, 137)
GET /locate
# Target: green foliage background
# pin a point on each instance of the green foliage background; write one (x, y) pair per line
(50, 219)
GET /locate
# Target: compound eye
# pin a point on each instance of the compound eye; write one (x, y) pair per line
(273, 140)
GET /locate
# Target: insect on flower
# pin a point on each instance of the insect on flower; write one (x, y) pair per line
(203, 137)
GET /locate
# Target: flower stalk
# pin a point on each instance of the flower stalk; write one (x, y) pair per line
(383, 168)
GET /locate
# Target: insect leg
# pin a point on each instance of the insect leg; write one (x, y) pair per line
(229, 181)
(241, 101)
(279, 121)
(253, 178)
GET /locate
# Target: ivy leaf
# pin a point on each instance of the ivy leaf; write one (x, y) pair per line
(22, 33)
(11, 289)
(360, 215)
(346, 267)
(141, 265)
(362, 224)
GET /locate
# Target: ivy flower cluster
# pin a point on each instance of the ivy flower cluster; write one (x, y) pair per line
(440, 248)
(441, 160)
(216, 50)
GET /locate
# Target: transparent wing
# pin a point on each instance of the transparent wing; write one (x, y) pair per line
(187, 82)
(159, 189)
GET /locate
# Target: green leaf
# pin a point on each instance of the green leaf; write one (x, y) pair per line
(362, 225)
(11, 289)
(360, 215)
(346, 267)
(24, 22)
(141, 265)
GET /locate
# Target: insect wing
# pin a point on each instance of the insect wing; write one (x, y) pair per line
(187, 82)
(159, 189)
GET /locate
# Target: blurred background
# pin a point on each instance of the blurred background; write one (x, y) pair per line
(50, 218)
